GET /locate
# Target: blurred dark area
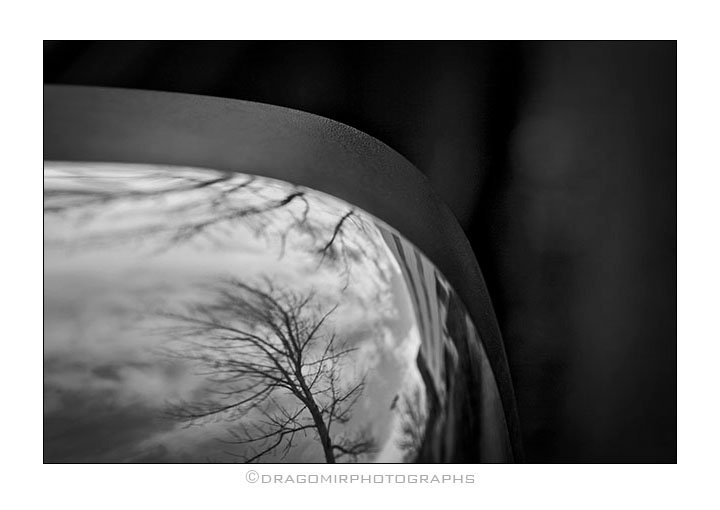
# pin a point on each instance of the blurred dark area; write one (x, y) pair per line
(559, 159)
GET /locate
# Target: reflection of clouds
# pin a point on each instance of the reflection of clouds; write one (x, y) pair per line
(93, 427)
(401, 375)
(114, 258)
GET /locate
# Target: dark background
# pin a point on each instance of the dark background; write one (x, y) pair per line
(559, 160)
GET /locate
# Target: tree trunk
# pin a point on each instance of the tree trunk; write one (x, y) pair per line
(322, 429)
(323, 433)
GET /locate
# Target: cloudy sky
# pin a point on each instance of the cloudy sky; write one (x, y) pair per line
(126, 245)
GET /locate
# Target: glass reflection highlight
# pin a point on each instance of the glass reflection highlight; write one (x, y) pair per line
(200, 316)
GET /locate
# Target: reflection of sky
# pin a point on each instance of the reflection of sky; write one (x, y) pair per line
(112, 265)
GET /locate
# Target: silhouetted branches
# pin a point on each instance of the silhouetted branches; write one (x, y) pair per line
(413, 419)
(166, 207)
(274, 370)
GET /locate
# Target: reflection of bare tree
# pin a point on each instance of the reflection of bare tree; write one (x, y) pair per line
(172, 206)
(275, 371)
(413, 419)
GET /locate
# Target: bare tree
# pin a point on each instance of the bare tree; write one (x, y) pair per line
(275, 370)
(413, 421)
